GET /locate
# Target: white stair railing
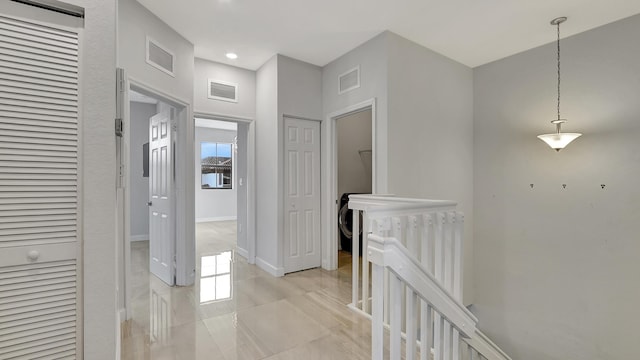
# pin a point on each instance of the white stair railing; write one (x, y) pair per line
(415, 249)
(442, 319)
(430, 229)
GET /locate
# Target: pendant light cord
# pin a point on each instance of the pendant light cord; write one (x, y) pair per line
(558, 71)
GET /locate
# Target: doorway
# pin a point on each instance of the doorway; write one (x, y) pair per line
(154, 127)
(354, 155)
(363, 155)
(220, 184)
(151, 180)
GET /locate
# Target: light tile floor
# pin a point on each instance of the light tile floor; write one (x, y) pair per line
(256, 316)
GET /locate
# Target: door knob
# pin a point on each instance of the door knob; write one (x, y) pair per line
(150, 203)
(33, 255)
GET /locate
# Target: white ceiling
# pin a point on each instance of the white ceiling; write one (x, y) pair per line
(473, 32)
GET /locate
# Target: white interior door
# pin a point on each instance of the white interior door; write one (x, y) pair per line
(302, 195)
(161, 196)
(39, 196)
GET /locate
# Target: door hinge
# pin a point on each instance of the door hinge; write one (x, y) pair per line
(119, 128)
(120, 92)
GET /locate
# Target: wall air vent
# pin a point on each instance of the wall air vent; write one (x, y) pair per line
(160, 57)
(349, 80)
(222, 90)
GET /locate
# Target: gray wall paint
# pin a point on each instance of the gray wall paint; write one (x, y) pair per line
(214, 204)
(299, 94)
(372, 57)
(284, 86)
(135, 23)
(430, 132)
(299, 89)
(245, 79)
(140, 115)
(424, 103)
(557, 269)
(267, 150)
(353, 134)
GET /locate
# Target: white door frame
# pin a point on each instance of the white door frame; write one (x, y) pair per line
(185, 219)
(330, 196)
(250, 180)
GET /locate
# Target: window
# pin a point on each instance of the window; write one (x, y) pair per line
(217, 165)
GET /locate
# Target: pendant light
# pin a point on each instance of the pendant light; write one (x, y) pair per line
(558, 140)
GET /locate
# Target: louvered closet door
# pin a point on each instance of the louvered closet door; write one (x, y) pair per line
(38, 191)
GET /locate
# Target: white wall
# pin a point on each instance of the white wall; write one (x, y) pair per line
(215, 204)
(140, 115)
(284, 86)
(557, 269)
(99, 171)
(430, 132)
(135, 23)
(299, 94)
(245, 79)
(372, 57)
(353, 133)
(267, 149)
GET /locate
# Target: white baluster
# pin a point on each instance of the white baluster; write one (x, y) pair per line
(438, 258)
(437, 336)
(448, 253)
(426, 331)
(395, 330)
(411, 326)
(377, 313)
(365, 262)
(446, 348)
(456, 344)
(397, 229)
(459, 256)
(412, 236)
(427, 242)
(355, 257)
(387, 298)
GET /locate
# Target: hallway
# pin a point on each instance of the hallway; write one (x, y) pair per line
(237, 311)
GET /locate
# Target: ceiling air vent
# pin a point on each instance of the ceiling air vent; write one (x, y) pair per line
(222, 90)
(159, 57)
(349, 80)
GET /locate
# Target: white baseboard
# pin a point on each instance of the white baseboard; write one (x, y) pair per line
(242, 252)
(143, 237)
(219, 218)
(277, 272)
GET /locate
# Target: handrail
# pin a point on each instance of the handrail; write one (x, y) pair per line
(390, 253)
(391, 203)
(458, 324)
(414, 248)
(483, 345)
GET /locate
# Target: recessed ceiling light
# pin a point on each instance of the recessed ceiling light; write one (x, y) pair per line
(232, 56)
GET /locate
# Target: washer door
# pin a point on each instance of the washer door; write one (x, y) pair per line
(345, 219)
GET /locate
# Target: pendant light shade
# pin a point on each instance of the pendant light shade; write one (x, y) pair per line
(558, 140)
